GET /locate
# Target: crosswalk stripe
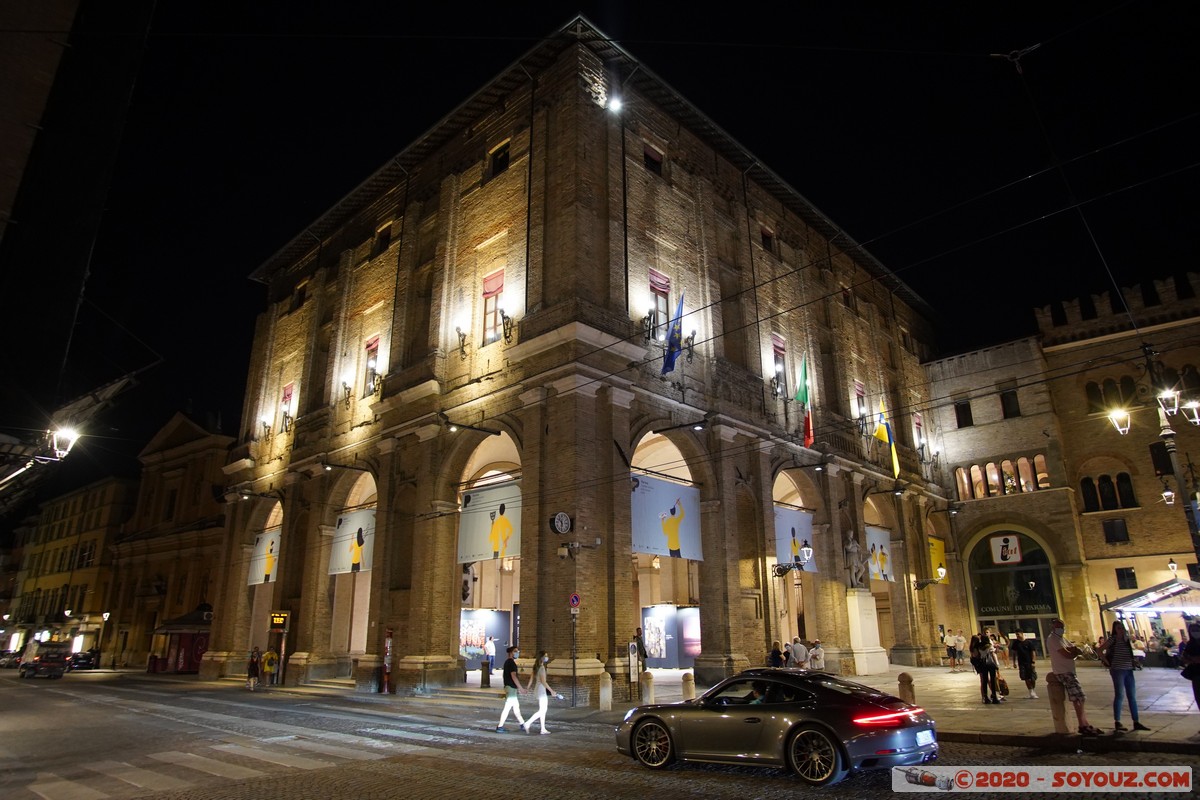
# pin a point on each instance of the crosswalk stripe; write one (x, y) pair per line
(142, 778)
(274, 757)
(51, 787)
(209, 765)
(333, 750)
(400, 733)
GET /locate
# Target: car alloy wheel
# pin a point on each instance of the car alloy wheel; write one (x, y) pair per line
(652, 744)
(815, 757)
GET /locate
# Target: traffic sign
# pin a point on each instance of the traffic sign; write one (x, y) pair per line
(575, 600)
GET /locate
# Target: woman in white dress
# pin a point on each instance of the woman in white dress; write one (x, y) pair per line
(543, 692)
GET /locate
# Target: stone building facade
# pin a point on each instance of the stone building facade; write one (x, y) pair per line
(1036, 464)
(485, 320)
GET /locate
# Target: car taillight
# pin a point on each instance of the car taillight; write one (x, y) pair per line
(893, 719)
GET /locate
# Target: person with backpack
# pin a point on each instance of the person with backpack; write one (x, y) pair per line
(270, 661)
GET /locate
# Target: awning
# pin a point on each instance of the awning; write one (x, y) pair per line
(1178, 595)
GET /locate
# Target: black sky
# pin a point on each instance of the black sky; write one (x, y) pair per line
(249, 120)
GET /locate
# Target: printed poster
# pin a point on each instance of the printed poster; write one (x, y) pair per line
(793, 530)
(879, 555)
(937, 555)
(264, 557)
(353, 542)
(666, 518)
(489, 523)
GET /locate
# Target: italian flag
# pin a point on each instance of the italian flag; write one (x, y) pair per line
(802, 399)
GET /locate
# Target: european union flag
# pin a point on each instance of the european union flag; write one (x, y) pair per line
(674, 338)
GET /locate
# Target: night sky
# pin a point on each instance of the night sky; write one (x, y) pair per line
(964, 176)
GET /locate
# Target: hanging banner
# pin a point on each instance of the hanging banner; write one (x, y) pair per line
(793, 530)
(353, 542)
(264, 557)
(879, 556)
(489, 523)
(666, 518)
(937, 557)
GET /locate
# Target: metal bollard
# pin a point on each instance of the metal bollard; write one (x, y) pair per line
(605, 692)
(647, 684)
(1058, 703)
(905, 691)
(689, 686)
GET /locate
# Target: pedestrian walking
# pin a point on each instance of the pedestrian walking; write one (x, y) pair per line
(512, 689)
(539, 686)
(1118, 657)
(270, 662)
(983, 657)
(1024, 652)
(252, 665)
(1062, 654)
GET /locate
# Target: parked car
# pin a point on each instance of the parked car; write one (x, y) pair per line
(9, 658)
(819, 726)
(44, 659)
(84, 659)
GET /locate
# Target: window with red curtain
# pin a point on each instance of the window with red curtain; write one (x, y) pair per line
(779, 360)
(372, 382)
(493, 290)
(660, 313)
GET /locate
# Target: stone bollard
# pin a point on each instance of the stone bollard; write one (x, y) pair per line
(906, 692)
(1058, 703)
(605, 691)
(689, 686)
(647, 684)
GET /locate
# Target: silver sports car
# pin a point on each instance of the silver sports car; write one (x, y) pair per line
(818, 725)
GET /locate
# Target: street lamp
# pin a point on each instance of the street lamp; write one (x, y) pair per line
(1171, 565)
(924, 582)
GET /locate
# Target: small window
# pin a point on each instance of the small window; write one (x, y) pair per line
(1194, 572)
(1126, 578)
(779, 362)
(372, 374)
(498, 160)
(848, 298)
(1009, 405)
(860, 399)
(285, 407)
(659, 311)
(962, 413)
(383, 238)
(652, 159)
(299, 295)
(768, 240)
(1115, 532)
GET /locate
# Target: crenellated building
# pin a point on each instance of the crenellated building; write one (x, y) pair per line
(462, 420)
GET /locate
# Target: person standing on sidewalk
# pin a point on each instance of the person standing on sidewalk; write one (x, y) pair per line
(1024, 652)
(1118, 657)
(512, 689)
(252, 665)
(983, 656)
(270, 660)
(816, 656)
(960, 644)
(950, 641)
(800, 654)
(489, 654)
(539, 686)
(1062, 665)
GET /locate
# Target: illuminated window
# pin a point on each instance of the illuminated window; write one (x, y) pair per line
(660, 314)
(779, 361)
(372, 373)
(285, 407)
(383, 238)
(493, 291)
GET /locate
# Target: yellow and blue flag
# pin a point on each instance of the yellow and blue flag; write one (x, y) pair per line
(883, 432)
(674, 338)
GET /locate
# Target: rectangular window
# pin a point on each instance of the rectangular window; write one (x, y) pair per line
(498, 160)
(285, 407)
(493, 290)
(906, 340)
(168, 510)
(768, 240)
(1126, 578)
(1115, 531)
(779, 362)
(383, 238)
(848, 299)
(859, 401)
(652, 159)
(962, 413)
(659, 312)
(372, 374)
(1009, 404)
(1194, 572)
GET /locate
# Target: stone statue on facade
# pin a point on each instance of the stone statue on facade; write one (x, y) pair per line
(857, 565)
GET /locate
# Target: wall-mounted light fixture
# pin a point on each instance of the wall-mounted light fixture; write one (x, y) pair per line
(698, 425)
(862, 419)
(689, 345)
(454, 427)
(67, 612)
(805, 556)
(506, 325)
(925, 582)
(1171, 565)
(347, 390)
(927, 453)
(462, 342)
(656, 563)
(648, 325)
(1168, 496)
(897, 490)
(266, 427)
(777, 381)
(1032, 585)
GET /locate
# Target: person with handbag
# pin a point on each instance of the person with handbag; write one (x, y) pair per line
(542, 691)
(1117, 655)
(983, 656)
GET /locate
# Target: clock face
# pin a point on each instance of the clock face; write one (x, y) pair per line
(562, 522)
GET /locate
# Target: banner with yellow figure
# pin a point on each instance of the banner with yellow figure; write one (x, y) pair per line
(937, 557)
(353, 542)
(489, 524)
(264, 557)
